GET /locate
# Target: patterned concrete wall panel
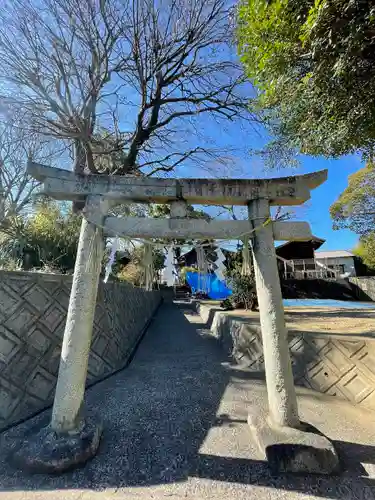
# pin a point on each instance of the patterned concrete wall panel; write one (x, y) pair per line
(364, 287)
(33, 310)
(323, 362)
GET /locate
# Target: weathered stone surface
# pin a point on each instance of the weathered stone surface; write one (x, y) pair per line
(51, 452)
(282, 398)
(140, 227)
(62, 184)
(75, 352)
(291, 231)
(178, 209)
(287, 449)
(33, 308)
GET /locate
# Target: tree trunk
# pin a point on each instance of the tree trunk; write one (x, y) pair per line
(79, 168)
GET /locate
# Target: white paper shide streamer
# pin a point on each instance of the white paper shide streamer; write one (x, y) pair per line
(108, 267)
(169, 271)
(202, 269)
(148, 263)
(246, 261)
(220, 267)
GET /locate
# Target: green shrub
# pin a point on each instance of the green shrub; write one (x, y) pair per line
(243, 286)
(53, 235)
(47, 239)
(244, 293)
(186, 269)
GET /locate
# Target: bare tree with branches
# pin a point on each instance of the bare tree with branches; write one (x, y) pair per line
(17, 144)
(57, 56)
(129, 84)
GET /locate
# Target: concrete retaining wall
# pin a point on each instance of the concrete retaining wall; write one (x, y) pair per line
(364, 287)
(343, 289)
(33, 310)
(338, 366)
(319, 289)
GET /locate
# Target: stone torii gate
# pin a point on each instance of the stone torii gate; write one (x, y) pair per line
(72, 436)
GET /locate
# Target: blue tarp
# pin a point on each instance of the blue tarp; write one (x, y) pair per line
(208, 283)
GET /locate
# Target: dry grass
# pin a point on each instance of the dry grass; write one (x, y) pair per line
(331, 320)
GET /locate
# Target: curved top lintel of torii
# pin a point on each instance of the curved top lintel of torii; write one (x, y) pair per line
(66, 185)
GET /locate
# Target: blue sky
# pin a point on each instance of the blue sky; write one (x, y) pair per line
(316, 210)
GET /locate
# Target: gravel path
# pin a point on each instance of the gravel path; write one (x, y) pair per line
(175, 427)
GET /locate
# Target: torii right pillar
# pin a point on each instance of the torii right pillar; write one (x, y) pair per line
(289, 445)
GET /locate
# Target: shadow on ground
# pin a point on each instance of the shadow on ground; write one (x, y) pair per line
(159, 415)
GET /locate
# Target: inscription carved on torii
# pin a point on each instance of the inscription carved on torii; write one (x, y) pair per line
(286, 191)
(102, 191)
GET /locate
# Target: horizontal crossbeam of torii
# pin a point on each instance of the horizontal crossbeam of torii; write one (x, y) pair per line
(65, 185)
(146, 228)
(99, 192)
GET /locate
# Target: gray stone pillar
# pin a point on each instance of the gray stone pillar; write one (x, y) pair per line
(2, 203)
(178, 209)
(289, 445)
(72, 437)
(282, 400)
(70, 389)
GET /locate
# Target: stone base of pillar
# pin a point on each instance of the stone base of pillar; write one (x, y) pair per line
(303, 450)
(50, 452)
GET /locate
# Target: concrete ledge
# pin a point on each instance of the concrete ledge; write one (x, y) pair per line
(48, 452)
(303, 450)
(338, 365)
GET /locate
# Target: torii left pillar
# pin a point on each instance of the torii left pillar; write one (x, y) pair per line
(73, 437)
